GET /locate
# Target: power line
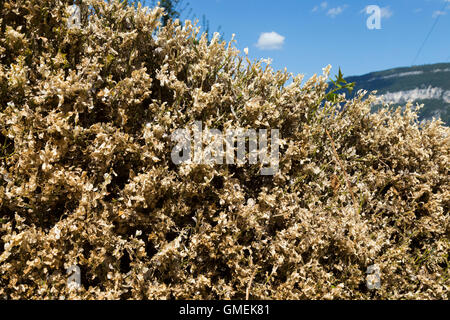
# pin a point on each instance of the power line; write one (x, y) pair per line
(429, 33)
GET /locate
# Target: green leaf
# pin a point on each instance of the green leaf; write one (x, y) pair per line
(341, 76)
(331, 96)
(109, 59)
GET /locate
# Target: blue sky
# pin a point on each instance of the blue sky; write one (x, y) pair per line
(306, 35)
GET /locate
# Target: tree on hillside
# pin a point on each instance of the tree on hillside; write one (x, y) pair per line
(175, 8)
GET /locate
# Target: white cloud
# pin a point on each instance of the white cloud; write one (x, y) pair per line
(270, 41)
(438, 13)
(322, 6)
(333, 12)
(386, 12)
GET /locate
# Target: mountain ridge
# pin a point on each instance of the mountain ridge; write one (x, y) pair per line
(425, 84)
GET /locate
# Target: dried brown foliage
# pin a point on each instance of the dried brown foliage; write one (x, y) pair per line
(86, 176)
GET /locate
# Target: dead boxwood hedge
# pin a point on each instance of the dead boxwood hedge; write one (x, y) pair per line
(86, 176)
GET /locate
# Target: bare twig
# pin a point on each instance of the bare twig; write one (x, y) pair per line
(343, 169)
(247, 292)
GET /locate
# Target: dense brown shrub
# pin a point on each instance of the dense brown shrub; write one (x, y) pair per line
(86, 176)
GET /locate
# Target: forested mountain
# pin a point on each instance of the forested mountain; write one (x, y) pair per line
(427, 84)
